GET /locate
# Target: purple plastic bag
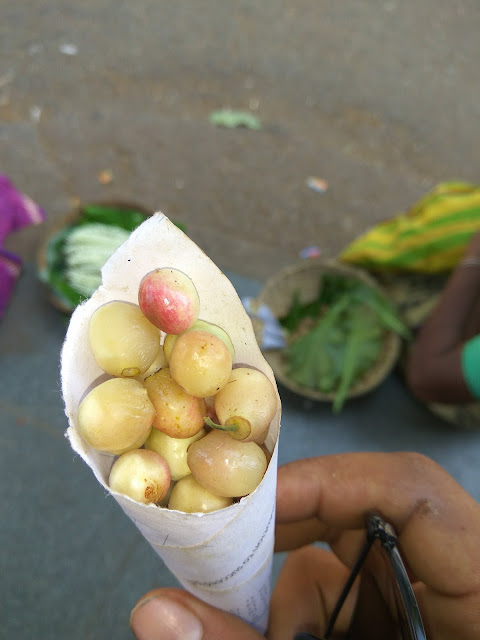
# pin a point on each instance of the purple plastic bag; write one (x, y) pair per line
(16, 211)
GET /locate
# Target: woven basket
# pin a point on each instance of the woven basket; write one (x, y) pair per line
(67, 220)
(303, 278)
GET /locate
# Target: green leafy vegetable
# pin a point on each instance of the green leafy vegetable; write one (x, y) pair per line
(231, 119)
(305, 367)
(127, 219)
(54, 272)
(362, 348)
(338, 336)
(87, 248)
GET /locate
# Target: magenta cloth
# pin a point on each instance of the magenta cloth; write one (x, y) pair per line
(16, 211)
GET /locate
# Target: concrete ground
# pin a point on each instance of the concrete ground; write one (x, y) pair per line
(380, 99)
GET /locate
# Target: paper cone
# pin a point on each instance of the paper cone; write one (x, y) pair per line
(223, 557)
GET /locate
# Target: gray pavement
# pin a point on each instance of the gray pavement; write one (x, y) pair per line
(381, 99)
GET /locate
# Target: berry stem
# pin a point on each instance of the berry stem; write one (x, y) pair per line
(238, 427)
(221, 427)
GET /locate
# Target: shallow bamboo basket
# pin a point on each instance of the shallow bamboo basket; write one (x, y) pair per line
(65, 221)
(304, 277)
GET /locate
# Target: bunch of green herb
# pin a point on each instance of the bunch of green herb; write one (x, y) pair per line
(338, 336)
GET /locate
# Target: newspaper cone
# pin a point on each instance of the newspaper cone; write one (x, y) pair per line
(223, 557)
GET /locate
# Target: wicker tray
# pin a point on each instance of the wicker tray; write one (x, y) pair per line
(67, 220)
(303, 278)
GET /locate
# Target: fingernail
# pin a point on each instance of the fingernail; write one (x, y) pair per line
(160, 618)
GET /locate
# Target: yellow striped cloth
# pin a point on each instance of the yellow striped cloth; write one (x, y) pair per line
(429, 238)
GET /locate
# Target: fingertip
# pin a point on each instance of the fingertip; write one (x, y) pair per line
(158, 615)
(175, 614)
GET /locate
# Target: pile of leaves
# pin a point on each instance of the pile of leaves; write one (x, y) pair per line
(337, 337)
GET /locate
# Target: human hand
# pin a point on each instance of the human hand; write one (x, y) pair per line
(328, 498)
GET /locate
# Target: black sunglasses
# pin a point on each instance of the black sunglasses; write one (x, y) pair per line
(382, 574)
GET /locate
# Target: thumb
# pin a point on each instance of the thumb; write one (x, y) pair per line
(173, 614)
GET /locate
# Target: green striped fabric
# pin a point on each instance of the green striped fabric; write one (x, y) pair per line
(429, 238)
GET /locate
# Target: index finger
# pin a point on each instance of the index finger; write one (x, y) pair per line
(436, 520)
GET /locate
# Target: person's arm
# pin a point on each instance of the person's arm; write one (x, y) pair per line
(434, 369)
(329, 498)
